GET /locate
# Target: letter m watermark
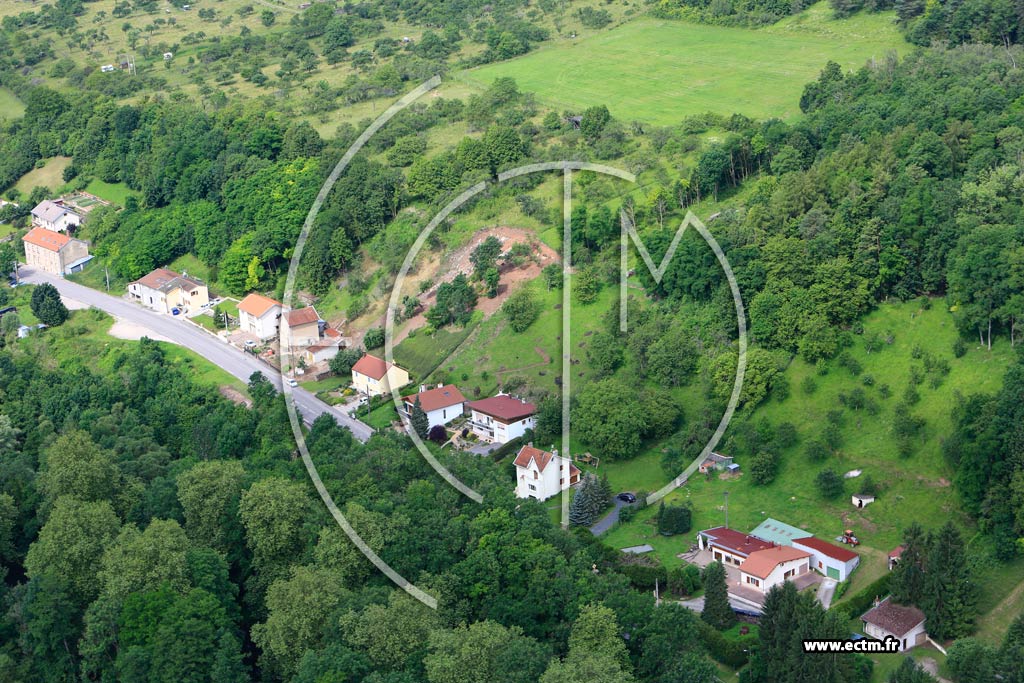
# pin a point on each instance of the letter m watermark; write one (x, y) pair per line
(657, 272)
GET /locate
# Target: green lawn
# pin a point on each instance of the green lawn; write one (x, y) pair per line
(115, 193)
(10, 106)
(660, 71)
(51, 176)
(84, 339)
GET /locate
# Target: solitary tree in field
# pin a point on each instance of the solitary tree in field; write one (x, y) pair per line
(47, 306)
(717, 610)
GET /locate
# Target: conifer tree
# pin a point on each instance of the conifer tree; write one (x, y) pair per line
(419, 420)
(948, 596)
(907, 580)
(717, 611)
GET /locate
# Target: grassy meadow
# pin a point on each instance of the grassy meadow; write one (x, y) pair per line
(660, 71)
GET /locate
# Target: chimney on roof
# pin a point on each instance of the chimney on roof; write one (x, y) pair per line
(554, 452)
(530, 444)
(440, 385)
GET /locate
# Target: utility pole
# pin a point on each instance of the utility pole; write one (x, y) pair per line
(106, 272)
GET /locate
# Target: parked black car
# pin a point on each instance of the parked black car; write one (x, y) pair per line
(626, 497)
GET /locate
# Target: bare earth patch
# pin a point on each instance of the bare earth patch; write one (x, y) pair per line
(234, 395)
(134, 332)
(511, 276)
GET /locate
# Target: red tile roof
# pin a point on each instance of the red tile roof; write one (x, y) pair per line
(504, 407)
(47, 239)
(760, 563)
(436, 399)
(302, 316)
(371, 366)
(896, 553)
(827, 549)
(896, 619)
(257, 304)
(528, 453)
(735, 541)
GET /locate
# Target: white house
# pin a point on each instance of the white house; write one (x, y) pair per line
(373, 376)
(55, 215)
(258, 315)
(833, 561)
(441, 404)
(164, 290)
(542, 474)
(860, 500)
(501, 418)
(767, 568)
(905, 623)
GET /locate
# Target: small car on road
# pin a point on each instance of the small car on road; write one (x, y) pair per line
(626, 497)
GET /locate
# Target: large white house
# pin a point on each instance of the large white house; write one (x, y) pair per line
(55, 215)
(441, 404)
(163, 290)
(542, 474)
(501, 418)
(902, 622)
(829, 559)
(258, 315)
(767, 568)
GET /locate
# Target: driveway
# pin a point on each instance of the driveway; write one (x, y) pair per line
(827, 589)
(185, 334)
(608, 521)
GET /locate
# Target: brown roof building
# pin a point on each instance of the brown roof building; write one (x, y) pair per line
(887, 619)
(501, 418)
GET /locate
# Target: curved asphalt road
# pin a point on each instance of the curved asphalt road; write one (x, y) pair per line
(213, 349)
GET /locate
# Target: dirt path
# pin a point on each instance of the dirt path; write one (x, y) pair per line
(459, 262)
(540, 352)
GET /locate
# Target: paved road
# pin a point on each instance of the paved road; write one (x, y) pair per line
(212, 348)
(697, 605)
(608, 521)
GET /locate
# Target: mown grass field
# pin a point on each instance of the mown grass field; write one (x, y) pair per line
(51, 176)
(660, 71)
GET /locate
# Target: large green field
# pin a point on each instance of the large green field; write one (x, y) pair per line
(660, 71)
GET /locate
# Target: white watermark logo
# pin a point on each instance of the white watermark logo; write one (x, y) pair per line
(567, 168)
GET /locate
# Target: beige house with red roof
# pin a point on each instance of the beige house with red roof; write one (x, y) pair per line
(442, 404)
(373, 376)
(764, 569)
(501, 418)
(164, 290)
(55, 252)
(258, 315)
(543, 474)
(300, 328)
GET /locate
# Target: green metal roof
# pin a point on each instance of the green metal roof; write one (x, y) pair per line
(779, 532)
